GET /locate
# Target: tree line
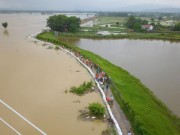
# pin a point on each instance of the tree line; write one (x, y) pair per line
(114, 14)
(62, 23)
(176, 27)
(135, 23)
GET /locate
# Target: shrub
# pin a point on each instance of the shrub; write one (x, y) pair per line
(56, 47)
(109, 131)
(5, 24)
(82, 89)
(97, 110)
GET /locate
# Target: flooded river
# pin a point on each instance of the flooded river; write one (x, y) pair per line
(155, 63)
(33, 80)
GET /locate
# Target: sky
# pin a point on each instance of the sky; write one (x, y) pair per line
(88, 5)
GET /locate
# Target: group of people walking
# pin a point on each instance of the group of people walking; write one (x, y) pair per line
(103, 79)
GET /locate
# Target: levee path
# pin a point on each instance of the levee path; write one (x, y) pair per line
(116, 114)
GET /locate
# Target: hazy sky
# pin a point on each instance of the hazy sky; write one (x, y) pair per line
(84, 4)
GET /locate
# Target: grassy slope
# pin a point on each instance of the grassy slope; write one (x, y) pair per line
(174, 37)
(154, 116)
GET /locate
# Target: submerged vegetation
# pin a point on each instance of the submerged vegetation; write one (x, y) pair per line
(109, 131)
(148, 116)
(5, 24)
(97, 110)
(82, 89)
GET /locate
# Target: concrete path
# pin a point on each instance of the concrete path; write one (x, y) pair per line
(118, 113)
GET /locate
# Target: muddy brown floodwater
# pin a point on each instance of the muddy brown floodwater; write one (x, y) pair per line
(33, 81)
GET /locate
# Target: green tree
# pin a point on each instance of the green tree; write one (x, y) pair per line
(5, 24)
(152, 19)
(63, 23)
(177, 27)
(130, 22)
(73, 24)
(135, 23)
(158, 26)
(160, 18)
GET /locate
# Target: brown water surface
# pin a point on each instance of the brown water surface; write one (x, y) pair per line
(33, 81)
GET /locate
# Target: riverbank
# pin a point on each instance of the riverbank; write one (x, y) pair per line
(146, 113)
(172, 37)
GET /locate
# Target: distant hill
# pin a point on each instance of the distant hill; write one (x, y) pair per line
(151, 8)
(167, 10)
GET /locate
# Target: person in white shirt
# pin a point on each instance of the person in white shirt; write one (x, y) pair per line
(129, 133)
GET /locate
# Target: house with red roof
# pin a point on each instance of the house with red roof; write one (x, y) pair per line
(148, 27)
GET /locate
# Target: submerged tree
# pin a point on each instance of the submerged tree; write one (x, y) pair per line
(5, 24)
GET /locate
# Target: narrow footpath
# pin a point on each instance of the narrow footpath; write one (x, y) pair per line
(120, 117)
(118, 113)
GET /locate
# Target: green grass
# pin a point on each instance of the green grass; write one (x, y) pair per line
(82, 89)
(109, 20)
(173, 37)
(148, 116)
(100, 28)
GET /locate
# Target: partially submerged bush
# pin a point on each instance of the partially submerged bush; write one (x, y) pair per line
(56, 47)
(109, 131)
(49, 47)
(97, 110)
(5, 24)
(82, 89)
